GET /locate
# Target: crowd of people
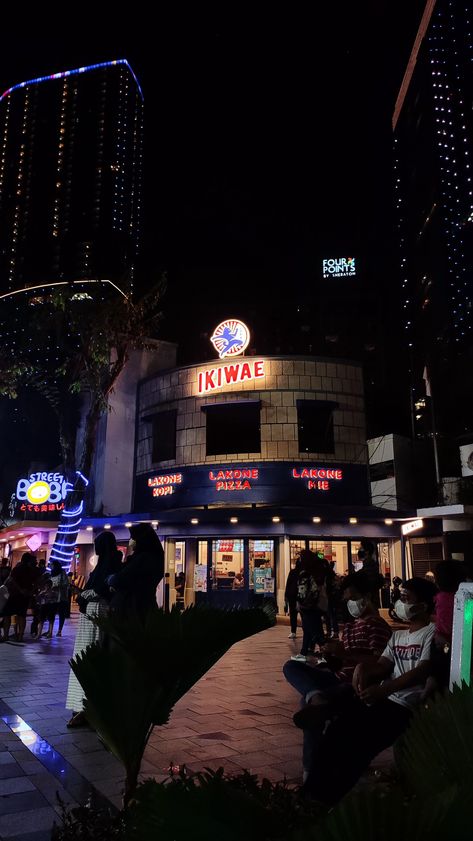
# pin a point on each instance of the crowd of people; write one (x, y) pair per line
(358, 692)
(31, 585)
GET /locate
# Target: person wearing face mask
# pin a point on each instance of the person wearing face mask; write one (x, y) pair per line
(327, 687)
(353, 740)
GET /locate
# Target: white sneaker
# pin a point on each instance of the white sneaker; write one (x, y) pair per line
(300, 658)
(292, 636)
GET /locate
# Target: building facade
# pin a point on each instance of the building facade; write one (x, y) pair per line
(244, 462)
(433, 150)
(70, 176)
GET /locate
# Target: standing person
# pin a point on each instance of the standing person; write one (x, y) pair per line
(21, 585)
(45, 607)
(43, 576)
(96, 597)
(311, 601)
(370, 566)
(290, 597)
(134, 587)
(356, 737)
(60, 584)
(5, 570)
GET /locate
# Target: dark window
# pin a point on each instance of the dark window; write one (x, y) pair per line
(164, 436)
(315, 426)
(382, 470)
(233, 428)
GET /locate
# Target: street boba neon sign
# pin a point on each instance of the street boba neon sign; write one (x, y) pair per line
(42, 488)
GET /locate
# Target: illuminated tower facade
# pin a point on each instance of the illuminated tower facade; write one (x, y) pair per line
(70, 177)
(433, 144)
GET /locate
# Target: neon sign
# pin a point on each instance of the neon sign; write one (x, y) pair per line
(228, 374)
(234, 480)
(42, 489)
(414, 525)
(318, 478)
(341, 267)
(230, 338)
(164, 485)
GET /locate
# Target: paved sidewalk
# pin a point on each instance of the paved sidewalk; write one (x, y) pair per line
(238, 715)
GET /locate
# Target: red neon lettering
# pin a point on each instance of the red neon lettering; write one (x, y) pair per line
(322, 474)
(200, 381)
(219, 377)
(220, 486)
(245, 372)
(338, 474)
(209, 382)
(259, 369)
(295, 473)
(231, 373)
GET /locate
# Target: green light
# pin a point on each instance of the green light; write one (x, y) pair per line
(465, 662)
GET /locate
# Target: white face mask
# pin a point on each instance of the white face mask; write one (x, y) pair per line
(405, 611)
(356, 608)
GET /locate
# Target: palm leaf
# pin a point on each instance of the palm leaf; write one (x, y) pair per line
(133, 682)
(437, 749)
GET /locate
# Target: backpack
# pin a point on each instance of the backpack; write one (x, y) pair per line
(308, 591)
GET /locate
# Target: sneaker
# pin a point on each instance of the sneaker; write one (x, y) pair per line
(292, 636)
(299, 658)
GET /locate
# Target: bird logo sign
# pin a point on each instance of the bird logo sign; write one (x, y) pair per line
(230, 338)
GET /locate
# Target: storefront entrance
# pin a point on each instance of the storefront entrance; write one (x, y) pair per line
(227, 571)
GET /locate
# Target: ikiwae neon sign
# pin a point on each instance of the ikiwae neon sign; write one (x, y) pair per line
(231, 374)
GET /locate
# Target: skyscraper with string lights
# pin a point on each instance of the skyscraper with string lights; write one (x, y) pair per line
(71, 147)
(433, 152)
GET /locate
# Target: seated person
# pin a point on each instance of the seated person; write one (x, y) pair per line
(383, 710)
(326, 687)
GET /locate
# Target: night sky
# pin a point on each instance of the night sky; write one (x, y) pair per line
(268, 142)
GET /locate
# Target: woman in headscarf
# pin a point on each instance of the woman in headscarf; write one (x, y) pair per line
(134, 587)
(95, 598)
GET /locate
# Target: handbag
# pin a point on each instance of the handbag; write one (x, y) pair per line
(84, 598)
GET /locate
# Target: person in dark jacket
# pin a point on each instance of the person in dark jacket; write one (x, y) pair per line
(290, 598)
(134, 587)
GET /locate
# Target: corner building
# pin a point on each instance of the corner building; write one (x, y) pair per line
(244, 462)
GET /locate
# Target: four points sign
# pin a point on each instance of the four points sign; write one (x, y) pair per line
(340, 267)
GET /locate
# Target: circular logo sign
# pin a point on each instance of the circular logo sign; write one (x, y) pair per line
(38, 492)
(230, 338)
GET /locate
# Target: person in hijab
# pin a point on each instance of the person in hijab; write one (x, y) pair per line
(95, 601)
(134, 587)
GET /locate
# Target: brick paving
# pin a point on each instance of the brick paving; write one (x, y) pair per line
(238, 716)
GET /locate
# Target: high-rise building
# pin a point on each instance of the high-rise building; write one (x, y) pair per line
(433, 143)
(70, 177)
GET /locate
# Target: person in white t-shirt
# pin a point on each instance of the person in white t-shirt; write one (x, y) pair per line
(384, 709)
